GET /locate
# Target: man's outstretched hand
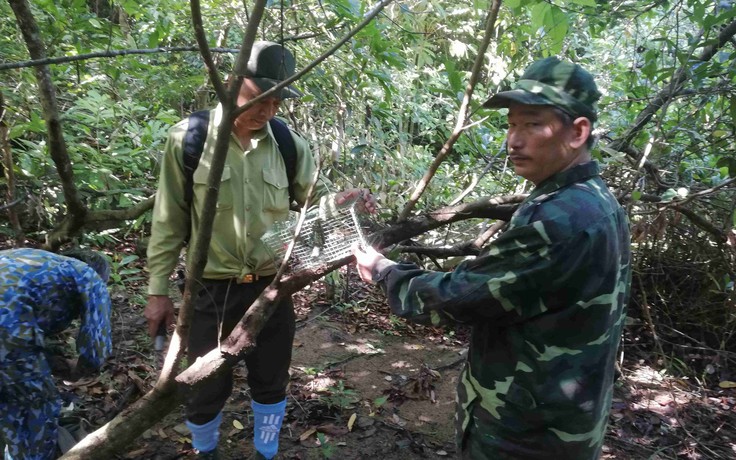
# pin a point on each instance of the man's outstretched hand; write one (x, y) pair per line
(369, 261)
(366, 200)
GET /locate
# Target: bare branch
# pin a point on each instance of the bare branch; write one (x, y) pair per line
(108, 54)
(462, 115)
(204, 49)
(672, 90)
(702, 223)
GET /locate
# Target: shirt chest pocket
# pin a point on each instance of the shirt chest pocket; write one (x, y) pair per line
(225, 195)
(276, 190)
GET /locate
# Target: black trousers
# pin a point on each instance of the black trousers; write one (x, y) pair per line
(220, 305)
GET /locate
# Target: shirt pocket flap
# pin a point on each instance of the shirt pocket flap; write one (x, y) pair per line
(275, 177)
(201, 174)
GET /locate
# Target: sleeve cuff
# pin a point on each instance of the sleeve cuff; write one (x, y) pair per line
(380, 271)
(158, 286)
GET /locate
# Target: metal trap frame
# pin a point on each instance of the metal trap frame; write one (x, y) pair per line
(326, 236)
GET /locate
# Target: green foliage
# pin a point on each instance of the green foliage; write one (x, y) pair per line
(328, 450)
(340, 397)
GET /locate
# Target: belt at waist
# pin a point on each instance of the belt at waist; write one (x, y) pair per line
(245, 279)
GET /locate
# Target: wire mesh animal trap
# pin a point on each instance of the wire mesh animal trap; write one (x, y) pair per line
(326, 236)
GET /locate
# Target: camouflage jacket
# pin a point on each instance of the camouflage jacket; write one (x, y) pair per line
(546, 304)
(41, 294)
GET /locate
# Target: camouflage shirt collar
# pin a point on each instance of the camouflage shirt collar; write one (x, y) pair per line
(564, 178)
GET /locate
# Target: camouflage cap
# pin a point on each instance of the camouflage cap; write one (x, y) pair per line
(553, 82)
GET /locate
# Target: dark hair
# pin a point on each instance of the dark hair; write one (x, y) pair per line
(94, 259)
(567, 120)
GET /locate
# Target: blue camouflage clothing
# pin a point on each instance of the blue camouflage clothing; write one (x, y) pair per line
(546, 304)
(41, 294)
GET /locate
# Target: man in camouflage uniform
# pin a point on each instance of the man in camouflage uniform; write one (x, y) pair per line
(42, 293)
(547, 301)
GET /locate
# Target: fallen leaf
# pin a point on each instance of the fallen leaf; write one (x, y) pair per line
(304, 436)
(441, 453)
(351, 421)
(65, 439)
(181, 428)
(727, 384)
(136, 453)
(332, 429)
(238, 425)
(369, 432)
(365, 422)
(79, 383)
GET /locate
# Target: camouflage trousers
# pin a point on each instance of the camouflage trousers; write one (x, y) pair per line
(29, 406)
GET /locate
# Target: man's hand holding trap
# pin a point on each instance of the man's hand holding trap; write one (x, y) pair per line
(363, 197)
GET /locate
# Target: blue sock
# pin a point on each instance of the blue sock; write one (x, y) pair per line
(205, 437)
(267, 419)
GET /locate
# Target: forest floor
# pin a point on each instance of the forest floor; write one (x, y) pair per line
(368, 385)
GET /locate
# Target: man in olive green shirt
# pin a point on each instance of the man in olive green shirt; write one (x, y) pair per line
(254, 193)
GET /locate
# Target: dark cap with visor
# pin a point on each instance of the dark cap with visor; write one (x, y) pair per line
(270, 64)
(553, 82)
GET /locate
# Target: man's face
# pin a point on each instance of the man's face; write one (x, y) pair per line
(539, 143)
(260, 113)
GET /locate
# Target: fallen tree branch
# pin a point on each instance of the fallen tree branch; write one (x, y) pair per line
(107, 54)
(242, 339)
(96, 221)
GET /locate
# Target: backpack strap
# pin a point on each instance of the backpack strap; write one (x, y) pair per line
(192, 149)
(196, 135)
(286, 145)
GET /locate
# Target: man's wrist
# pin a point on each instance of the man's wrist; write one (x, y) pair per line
(380, 266)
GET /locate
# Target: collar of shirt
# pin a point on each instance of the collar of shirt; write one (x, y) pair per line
(578, 173)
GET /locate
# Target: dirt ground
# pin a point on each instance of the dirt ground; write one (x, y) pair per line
(367, 385)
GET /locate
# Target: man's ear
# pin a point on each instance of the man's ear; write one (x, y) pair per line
(581, 128)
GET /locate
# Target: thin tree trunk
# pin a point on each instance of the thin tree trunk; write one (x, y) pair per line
(47, 94)
(462, 116)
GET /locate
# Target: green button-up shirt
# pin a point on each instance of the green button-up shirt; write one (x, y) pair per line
(253, 195)
(546, 305)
